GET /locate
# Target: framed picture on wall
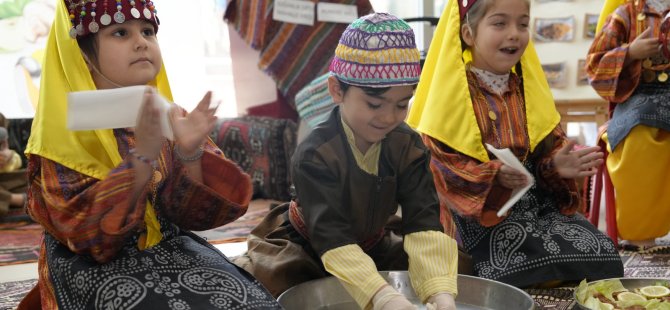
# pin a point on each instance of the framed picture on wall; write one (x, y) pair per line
(590, 22)
(554, 29)
(582, 78)
(556, 74)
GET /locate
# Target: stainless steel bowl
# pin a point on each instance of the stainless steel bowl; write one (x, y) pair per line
(629, 283)
(473, 293)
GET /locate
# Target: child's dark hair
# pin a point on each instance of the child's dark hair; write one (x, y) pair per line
(89, 46)
(370, 91)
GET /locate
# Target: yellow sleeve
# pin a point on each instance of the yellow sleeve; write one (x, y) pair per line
(356, 271)
(433, 263)
(13, 164)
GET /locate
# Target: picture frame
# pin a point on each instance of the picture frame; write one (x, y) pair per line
(582, 78)
(561, 29)
(590, 23)
(556, 74)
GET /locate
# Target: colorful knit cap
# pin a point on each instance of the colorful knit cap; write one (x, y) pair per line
(88, 16)
(377, 50)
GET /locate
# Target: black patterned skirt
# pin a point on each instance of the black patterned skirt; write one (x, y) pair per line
(181, 272)
(537, 244)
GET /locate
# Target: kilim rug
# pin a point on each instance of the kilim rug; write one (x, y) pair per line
(560, 298)
(20, 239)
(11, 293)
(239, 230)
(653, 262)
(19, 242)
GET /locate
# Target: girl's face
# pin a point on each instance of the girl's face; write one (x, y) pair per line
(501, 36)
(128, 54)
(371, 117)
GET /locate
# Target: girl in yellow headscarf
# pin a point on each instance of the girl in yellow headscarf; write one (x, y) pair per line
(626, 67)
(483, 84)
(117, 204)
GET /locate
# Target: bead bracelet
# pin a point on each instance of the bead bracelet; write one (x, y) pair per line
(181, 157)
(153, 163)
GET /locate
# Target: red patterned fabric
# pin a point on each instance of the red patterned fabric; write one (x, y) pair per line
(606, 58)
(292, 54)
(262, 147)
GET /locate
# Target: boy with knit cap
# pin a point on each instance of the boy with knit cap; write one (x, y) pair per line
(351, 173)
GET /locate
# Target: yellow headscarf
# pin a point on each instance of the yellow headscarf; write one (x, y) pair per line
(442, 106)
(93, 152)
(608, 8)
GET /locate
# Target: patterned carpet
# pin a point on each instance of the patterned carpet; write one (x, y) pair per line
(239, 230)
(19, 242)
(20, 238)
(11, 293)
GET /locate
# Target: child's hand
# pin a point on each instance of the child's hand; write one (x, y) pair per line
(148, 133)
(441, 301)
(388, 298)
(577, 164)
(191, 130)
(511, 178)
(5, 156)
(644, 46)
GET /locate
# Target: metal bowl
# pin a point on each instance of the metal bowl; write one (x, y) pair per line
(629, 283)
(473, 293)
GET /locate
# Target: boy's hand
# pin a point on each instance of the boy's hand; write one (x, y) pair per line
(577, 164)
(388, 298)
(511, 178)
(644, 46)
(191, 130)
(148, 133)
(441, 301)
(4, 157)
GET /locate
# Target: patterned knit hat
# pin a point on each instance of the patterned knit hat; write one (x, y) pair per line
(377, 50)
(88, 16)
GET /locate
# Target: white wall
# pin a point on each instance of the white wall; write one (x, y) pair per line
(196, 53)
(252, 86)
(569, 52)
(194, 42)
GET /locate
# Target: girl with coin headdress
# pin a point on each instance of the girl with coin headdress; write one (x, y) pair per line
(626, 66)
(117, 205)
(483, 84)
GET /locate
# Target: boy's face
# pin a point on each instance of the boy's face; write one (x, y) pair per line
(371, 117)
(128, 54)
